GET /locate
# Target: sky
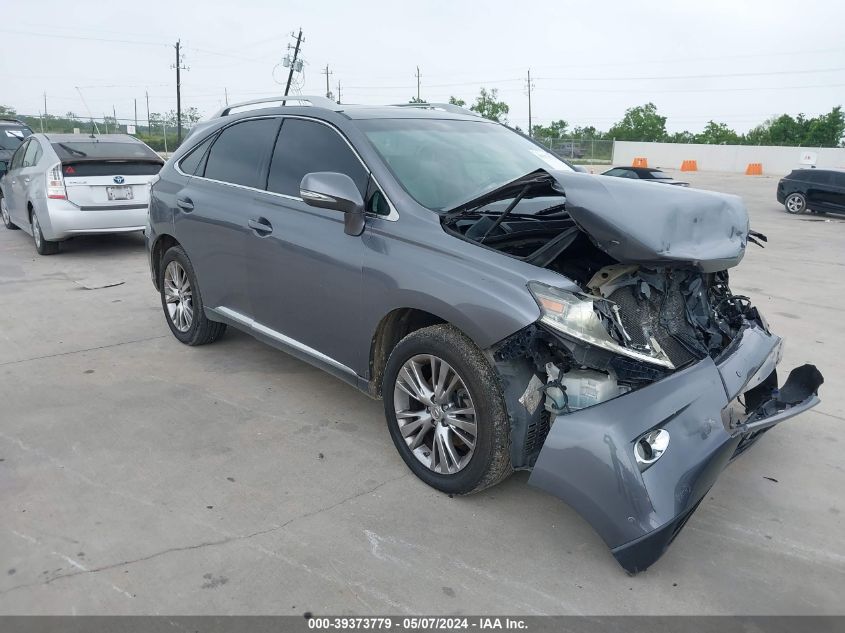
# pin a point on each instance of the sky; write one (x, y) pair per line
(734, 61)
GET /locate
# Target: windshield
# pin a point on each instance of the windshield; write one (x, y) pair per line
(11, 137)
(442, 163)
(107, 151)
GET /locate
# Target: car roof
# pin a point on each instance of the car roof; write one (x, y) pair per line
(837, 170)
(12, 121)
(88, 138)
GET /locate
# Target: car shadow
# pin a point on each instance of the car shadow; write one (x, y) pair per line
(109, 244)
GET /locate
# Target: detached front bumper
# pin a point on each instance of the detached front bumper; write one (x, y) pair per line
(588, 458)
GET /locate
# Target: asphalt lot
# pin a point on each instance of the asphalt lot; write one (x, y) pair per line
(141, 476)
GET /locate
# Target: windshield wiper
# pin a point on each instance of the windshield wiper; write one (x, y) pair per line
(68, 148)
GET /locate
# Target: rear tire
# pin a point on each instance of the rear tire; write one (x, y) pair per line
(42, 244)
(465, 408)
(182, 303)
(795, 203)
(7, 219)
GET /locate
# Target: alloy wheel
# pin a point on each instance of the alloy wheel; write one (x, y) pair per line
(795, 203)
(36, 231)
(435, 414)
(178, 296)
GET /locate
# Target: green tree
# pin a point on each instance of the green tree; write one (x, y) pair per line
(826, 130)
(458, 102)
(681, 137)
(415, 100)
(717, 134)
(487, 104)
(587, 132)
(641, 123)
(7, 111)
(555, 129)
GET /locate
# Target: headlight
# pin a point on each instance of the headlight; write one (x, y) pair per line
(575, 316)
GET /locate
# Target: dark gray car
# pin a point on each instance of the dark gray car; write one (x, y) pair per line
(512, 314)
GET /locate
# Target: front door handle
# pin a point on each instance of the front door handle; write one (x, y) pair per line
(261, 225)
(26, 180)
(185, 204)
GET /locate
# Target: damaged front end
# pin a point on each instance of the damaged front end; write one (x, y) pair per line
(645, 375)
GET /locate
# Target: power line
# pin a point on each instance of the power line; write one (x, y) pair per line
(718, 76)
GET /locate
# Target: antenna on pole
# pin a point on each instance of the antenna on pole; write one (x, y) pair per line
(327, 72)
(530, 86)
(179, 66)
(295, 63)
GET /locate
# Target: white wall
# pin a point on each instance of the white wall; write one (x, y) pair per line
(776, 160)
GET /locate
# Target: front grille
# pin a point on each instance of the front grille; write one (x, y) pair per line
(662, 316)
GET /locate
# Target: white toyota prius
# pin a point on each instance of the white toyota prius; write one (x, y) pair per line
(62, 185)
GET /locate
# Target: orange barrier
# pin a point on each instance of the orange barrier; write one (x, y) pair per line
(754, 169)
(639, 161)
(689, 165)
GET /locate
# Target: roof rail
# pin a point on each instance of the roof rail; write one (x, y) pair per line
(447, 107)
(316, 101)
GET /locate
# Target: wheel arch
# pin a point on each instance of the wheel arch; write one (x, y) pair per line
(392, 328)
(160, 246)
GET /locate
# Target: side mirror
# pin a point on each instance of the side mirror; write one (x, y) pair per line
(331, 190)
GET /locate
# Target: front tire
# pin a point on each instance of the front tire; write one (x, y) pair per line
(795, 203)
(7, 219)
(445, 411)
(42, 244)
(182, 301)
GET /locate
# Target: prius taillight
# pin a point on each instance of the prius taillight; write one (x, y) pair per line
(56, 183)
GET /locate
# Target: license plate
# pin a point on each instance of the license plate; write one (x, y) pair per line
(119, 193)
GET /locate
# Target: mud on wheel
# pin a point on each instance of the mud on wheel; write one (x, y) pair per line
(445, 411)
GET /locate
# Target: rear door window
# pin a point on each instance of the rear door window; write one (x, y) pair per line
(241, 153)
(307, 146)
(17, 159)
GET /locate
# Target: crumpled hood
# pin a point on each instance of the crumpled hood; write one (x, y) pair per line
(643, 223)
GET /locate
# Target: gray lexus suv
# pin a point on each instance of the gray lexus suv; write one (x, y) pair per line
(510, 312)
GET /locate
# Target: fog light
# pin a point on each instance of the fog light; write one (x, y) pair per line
(649, 448)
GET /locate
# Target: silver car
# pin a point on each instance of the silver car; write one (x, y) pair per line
(61, 185)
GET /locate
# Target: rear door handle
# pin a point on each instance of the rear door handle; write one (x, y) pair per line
(26, 180)
(185, 203)
(261, 225)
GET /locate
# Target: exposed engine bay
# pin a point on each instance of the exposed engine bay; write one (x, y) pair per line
(628, 324)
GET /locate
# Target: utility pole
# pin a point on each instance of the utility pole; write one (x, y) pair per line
(149, 127)
(45, 105)
(293, 61)
(179, 67)
(338, 91)
(327, 72)
(226, 95)
(114, 115)
(418, 84)
(136, 115)
(530, 88)
(106, 121)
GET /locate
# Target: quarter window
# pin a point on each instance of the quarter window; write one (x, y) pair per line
(240, 153)
(194, 163)
(305, 147)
